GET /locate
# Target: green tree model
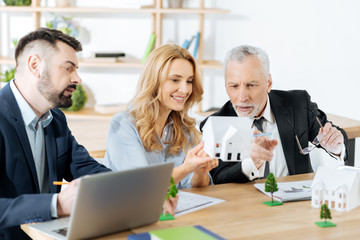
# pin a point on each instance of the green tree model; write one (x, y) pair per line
(172, 189)
(325, 212)
(172, 192)
(271, 185)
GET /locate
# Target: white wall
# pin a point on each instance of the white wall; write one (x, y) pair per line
(312, 45)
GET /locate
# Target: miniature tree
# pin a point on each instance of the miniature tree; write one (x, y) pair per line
(325, 214)
(172, 192)
(271, 185)
(172, 189)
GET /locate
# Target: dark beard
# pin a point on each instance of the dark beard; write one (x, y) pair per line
(45, 87)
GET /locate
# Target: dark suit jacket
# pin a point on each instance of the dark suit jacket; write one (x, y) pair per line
(20, 201)
(285, 105)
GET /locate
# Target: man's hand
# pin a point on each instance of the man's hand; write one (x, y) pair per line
(331, 139)
(66, 198)
(261, 149)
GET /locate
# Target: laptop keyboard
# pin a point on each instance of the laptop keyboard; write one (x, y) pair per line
(61, 231)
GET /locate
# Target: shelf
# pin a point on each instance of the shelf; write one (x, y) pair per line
(114, 10)
(210, 64)
(87, 113)
(155, 12)
(120, 64)
(9, 61)
(193, 10)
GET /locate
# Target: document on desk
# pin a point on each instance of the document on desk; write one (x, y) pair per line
(289, 191)
(190, 202)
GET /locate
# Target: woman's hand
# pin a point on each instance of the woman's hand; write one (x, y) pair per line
(171, 204)
(200, 163)
(197, 160)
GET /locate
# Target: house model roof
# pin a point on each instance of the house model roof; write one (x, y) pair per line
(226, 135)
(332, 179)
(218, 126)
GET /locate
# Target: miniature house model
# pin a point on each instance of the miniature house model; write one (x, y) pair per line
(338, 188)
(227, 138)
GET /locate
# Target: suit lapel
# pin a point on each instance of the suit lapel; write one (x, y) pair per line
(282, 114)
(16, 117)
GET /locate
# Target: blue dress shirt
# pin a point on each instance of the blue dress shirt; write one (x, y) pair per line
(125, 149)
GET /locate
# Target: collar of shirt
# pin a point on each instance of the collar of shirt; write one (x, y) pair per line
(267, 114)
(29, 117)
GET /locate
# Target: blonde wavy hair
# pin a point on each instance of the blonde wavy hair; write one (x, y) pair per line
(146, 103)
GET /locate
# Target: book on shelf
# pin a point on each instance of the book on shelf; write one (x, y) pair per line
(187, 43)
(197, 39)
(109, 54)
(149, 47)
(104, 59)
(186, 232)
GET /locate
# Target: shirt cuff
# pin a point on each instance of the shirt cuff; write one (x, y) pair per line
(342, 155)
(211, 181)
(53, 206)
(250, 170)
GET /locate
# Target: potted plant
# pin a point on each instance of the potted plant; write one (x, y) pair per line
(64, 24)
(79, 99)
(17, 2)
(7, 76)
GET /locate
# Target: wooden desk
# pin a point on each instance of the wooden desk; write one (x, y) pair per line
(351, 126)
(37, 235)
(243, 216)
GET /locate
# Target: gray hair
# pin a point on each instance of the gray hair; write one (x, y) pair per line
(238, 54)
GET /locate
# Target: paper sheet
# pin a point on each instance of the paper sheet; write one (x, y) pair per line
(289, 191)
(190, 202)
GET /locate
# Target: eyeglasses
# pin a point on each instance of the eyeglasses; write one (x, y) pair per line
(313, 144)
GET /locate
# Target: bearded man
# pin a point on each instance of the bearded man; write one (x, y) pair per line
(36, 145)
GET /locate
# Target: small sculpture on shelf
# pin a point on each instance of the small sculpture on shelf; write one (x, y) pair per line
(325, 213)
(62, 3)
(271, 186)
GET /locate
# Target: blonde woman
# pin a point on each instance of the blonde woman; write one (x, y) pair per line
(157, 128)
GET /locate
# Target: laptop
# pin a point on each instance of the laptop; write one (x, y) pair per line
(112, 202)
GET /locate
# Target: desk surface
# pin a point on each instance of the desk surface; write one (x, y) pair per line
(243, 216)
(351, 126)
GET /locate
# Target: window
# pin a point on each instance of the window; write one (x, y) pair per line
(217, 155)
(238, 156)
(229, 156)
